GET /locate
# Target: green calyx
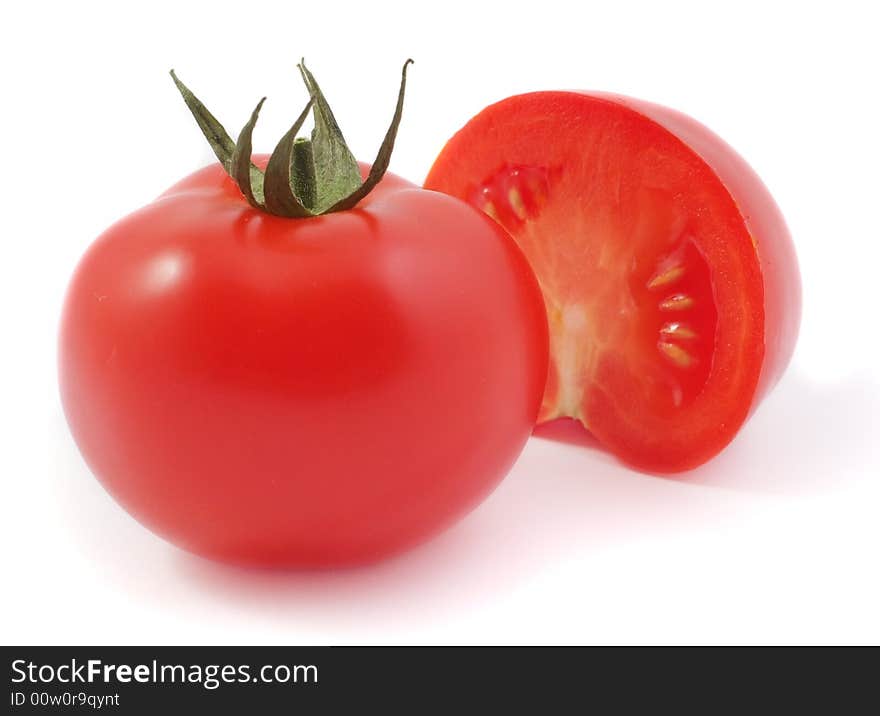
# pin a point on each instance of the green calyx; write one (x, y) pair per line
(304, 177)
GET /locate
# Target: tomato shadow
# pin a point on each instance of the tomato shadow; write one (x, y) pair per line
(560, 503)
(807, 438)
(565, 500)
(802, 438)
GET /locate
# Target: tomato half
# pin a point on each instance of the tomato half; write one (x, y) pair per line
(670, 279)
(310, 392)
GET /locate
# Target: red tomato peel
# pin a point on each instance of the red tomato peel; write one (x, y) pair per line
(314, 391)
(669, 276)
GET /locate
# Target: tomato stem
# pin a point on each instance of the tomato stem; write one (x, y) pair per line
(302, 163)
(304, 177)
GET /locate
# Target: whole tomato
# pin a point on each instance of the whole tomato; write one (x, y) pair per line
(309, 391)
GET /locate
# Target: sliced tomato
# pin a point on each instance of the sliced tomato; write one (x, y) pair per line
(669, 277)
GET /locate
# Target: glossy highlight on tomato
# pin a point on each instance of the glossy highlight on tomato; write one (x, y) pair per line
(669, 276)
(308, 392)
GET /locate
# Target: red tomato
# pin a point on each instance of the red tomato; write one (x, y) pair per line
(670, 279)
(305, 392)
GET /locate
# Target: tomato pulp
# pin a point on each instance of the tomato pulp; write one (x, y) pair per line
(670, 280)
(304, 392)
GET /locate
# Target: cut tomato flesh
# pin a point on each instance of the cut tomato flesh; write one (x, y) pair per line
(652, 280)
(619, 290)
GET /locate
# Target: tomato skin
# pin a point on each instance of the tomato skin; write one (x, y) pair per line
(752, 264)
(314, 392)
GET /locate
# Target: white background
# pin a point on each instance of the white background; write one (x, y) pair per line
(774, 541)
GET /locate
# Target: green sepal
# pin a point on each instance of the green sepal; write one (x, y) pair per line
(279, 182)
(241, 163)
(336, 170)
(219, 139)
(383, 158)
(303, 178)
